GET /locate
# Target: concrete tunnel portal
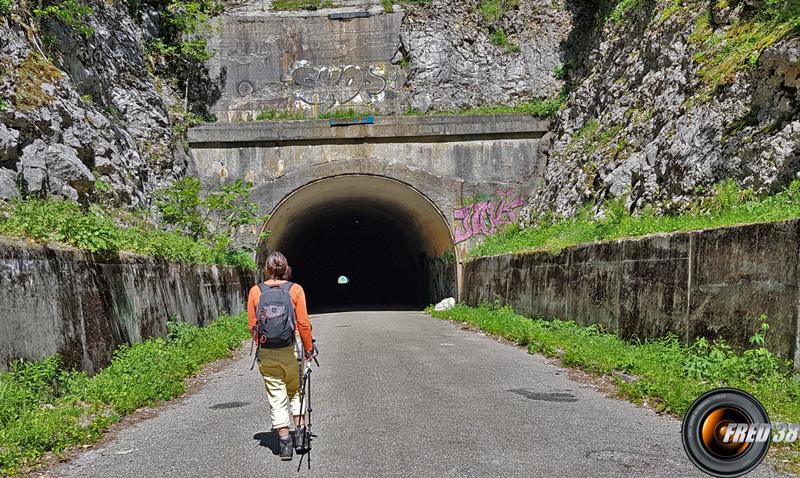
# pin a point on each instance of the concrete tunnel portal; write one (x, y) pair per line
(389, 240)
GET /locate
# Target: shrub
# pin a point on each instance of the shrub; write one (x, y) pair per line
(6, 6)
(499, 38)
(70, 13)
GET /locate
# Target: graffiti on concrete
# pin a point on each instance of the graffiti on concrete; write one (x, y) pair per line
(330, 86)
(484, 217)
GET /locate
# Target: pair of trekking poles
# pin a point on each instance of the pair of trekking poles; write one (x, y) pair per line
(305, 394)
(305, 397)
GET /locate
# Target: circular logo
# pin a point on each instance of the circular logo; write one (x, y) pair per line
(245, 88)
(713, 432)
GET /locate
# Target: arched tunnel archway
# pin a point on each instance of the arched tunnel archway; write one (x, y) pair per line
(391, 243)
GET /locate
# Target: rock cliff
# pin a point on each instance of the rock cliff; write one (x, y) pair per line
(669, 98)
(82, 116)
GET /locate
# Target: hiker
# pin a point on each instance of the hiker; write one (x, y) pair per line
(273, 322)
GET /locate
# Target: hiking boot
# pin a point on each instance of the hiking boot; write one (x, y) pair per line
(298, 436)
(286, 450)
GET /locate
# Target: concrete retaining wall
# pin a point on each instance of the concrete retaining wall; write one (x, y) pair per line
(712, 283)
(67, 302)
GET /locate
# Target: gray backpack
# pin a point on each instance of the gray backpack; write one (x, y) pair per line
(275, 321)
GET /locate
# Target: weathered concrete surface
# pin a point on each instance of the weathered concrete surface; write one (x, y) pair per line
(300, 61)
(67, 302)
(712, 283)
(450, 160)
(396, 128)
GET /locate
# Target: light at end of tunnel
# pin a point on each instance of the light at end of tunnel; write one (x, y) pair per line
(343, 280)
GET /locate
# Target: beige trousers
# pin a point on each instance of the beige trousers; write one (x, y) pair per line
(279, 369)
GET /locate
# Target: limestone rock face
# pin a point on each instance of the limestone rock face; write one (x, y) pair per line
(644, 120)
(454, 65)
(9, 139)
(8, 184)
(89, 110)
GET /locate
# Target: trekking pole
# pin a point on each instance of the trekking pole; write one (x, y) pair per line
(255, 359)
(305, 394)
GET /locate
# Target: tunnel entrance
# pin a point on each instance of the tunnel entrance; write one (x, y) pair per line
(364, 242)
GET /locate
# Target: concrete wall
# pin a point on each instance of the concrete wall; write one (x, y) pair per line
(712, 283)
(449, 159)
(67, 302)
(312, 61)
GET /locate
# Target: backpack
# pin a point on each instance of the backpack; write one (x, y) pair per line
(275, 320)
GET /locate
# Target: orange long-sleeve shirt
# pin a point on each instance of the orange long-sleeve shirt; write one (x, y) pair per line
(300, 312)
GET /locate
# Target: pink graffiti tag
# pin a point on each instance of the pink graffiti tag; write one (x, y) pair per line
(483, 218)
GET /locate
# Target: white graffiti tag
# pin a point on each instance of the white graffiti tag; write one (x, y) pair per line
(338, 85)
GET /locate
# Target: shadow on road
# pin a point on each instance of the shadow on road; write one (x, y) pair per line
(269, 440)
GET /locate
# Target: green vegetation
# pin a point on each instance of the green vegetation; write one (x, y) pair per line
(666, 373)
(183, 120)
(6, 6)
(349, 113)
(722, 51)
(46, 408)
(540, 108)
(179, 53)
(301, 4)
(275, 115)
(499, 38)
(622, 10)
(70, 13)
(388, 6)
(181, 42)
(591, 137)
(560, 72)
(213, 220)
(493, 10)
(201, 229)
(31, 74)
(726, 205)
(668, 12)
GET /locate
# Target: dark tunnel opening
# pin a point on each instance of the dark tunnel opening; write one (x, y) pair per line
(385, 238)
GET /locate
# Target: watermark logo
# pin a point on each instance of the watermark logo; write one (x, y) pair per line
(741, 433)
(727, 432)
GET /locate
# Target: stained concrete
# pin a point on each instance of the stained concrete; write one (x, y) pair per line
(65, 301)
(305, 60)
(448, 160)
(712, 283)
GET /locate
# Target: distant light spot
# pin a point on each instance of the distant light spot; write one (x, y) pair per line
(343, 280)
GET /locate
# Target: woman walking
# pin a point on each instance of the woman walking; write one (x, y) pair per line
(276, 309)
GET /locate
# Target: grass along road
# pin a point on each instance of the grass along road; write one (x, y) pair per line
(46, 409)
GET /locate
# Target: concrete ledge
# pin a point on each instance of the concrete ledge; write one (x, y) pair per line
(386, 128)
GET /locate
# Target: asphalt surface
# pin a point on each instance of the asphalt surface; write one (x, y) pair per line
(400, 394)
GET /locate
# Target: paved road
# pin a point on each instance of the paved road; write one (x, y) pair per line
(400, 394)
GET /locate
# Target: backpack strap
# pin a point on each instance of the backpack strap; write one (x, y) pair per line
(286, 285)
